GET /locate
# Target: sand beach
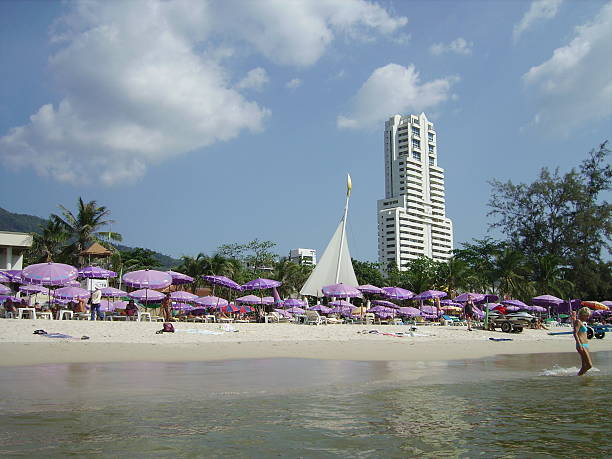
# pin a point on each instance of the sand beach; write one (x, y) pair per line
(137, 341)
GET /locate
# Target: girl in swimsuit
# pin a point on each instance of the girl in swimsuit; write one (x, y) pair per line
(580, 335)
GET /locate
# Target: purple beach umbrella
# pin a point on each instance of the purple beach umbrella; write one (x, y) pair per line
(429, 295)
(607, 303)
(517, 303)
(4, 277)
(546, 300)
(4, 290)
(49, 274)
(476, 297)
(184, 297)
(291, 302)
(268, 300)
(33, 289)
(13, 275)
(397, 293)
(283, 313)
(409, 312)
(431, 310)
(71, 293)
(147, 279)
(386, 303)
(110, 292)
(261, 284)
(367, 288)
(147, 295)
(343, 304)
(223, 282)
(320, 308)
(180, 278)
(95, 272)
(296, 310)
(210, 301)
(341, 291)
(249, 299)
(380, 308)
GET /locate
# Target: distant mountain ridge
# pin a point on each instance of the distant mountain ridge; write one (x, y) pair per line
(24, 223)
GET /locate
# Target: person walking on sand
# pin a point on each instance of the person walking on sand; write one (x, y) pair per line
(96, 299)
(582, 342)
(166, 309)
(468, 312)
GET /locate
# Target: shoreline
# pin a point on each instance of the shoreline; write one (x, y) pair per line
(193, 342)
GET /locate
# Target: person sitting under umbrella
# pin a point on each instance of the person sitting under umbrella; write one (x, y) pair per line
(131, 309)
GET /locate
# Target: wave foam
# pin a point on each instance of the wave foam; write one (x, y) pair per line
(560, 371)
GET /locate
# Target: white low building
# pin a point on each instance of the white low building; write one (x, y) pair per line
(303, 256)
(12, 247)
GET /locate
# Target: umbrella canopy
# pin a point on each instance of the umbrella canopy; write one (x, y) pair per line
(595, 305)
(450, 303)
(49, 274)
(321, 308)
(112, 292)
(4, 298)
(430, 295)
(249, 299)
(284, 313)
(410, 312)
(342, 310)
(367, 288)
(342, 303)
(385, 303)
(291, 302)
(33, 289)
(108, 306)
(210, 301)
(431, 310)
(261, 284)
(341, 291)
(147, 279)
(223, 282)
(380, 308)
(476, 297)
(397, 293)
(182, 307)
(517, 303)
(230, 308)
(546, 300)
(183, 296)
(4, 290)
(180, 278)
(384, 315)
(607, 303)
(13, 275)
(71, 293)
(147, 295)
(296, 310)
(72, 283)
(95, 272)
(268, 300)
(4, 277)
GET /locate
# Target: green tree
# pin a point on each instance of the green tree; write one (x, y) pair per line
(85, 227)
(368, 273)
(508, 273)
(292, 275)
(563, 216)
(48, 244)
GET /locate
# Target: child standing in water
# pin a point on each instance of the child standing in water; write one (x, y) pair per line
(582, 342)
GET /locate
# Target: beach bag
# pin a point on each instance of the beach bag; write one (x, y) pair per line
(168, 328)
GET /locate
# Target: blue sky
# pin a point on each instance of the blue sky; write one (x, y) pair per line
(203, 123)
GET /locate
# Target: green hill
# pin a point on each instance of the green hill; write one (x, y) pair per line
(24, 223)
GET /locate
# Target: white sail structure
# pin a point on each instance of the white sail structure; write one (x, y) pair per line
(335, 264)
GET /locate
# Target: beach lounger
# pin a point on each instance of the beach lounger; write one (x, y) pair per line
(313, 318)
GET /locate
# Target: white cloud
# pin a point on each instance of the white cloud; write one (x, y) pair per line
(457, 46)
(293, 83)
(538, 10)
(145, 81)
(394, 89)
(575, 85)
(255, 79)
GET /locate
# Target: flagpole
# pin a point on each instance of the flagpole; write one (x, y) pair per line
(349, 187)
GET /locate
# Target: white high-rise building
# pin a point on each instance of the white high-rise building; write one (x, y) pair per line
(412, 221)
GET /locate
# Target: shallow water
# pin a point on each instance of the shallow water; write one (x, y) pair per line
(509, 406)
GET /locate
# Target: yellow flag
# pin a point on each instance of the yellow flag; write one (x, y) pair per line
(349, 184)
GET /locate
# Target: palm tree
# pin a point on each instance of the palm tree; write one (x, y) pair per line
(48, 244)
(292, 275)
(508, 271)
(548, 277)
(84, 227)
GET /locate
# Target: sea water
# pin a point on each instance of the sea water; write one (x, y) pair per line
(507, 406)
